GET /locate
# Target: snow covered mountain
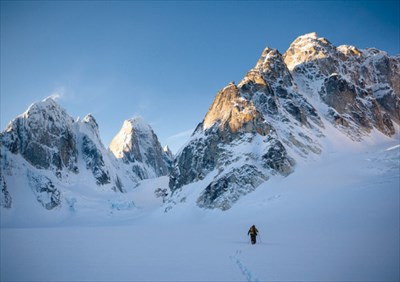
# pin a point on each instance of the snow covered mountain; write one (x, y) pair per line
(276, 117)
(139, 149)
(47, 150)
(278, 114)
(361, 87)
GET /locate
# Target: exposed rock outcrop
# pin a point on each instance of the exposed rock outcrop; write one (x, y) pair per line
(5, 197)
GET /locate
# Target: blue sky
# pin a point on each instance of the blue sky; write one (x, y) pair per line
(163, 60)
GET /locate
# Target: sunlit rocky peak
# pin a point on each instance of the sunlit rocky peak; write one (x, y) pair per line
(307, 48)
(139, 149)
(231, 111)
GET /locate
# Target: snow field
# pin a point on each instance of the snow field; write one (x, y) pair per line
(333, 219)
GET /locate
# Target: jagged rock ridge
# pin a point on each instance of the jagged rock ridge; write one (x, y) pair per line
(257, 129)
(53, 152)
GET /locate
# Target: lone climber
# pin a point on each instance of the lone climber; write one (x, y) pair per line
(253, 234)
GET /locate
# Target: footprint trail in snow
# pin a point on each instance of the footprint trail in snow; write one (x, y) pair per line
(250, 276)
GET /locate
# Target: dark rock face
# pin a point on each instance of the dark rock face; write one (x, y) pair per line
(391, 104)
(5, 197)
(226, 190)
(277, 159)
(44, 137)
(94, 161)
(91, 150)
(338, 94)
(363, 111)
(196, 160)
(46, 193)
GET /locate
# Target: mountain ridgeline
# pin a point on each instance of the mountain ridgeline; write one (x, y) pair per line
(278, 113)
(253, 130)
(48, 151)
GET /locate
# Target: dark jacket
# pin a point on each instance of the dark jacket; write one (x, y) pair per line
(252, 231)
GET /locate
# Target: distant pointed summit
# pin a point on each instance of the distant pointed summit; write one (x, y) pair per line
(138, 147)
(168, 152)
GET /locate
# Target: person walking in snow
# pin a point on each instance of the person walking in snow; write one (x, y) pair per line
(253, 234)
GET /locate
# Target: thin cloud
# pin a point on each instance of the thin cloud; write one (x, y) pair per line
(177, 141)
(180, 135)
(58, 94)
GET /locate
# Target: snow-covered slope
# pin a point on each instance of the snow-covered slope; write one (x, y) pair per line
(334, 219)
(278, 116)
(47, 155)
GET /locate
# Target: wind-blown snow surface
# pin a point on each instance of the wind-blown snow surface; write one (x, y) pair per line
(336, 218)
